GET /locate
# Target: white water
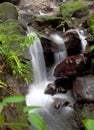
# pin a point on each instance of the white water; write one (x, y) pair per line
(54, 119)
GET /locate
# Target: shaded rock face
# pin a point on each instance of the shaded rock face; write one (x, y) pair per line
(79, 14)
(11, 1)
(47, 49)
(72, 42)
(63, 84)
(83, 88)
(71, 66)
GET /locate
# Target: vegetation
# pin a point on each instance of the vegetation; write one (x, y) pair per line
(12, 50)
(68, 8)
(33, 118)
(90, 22)
(89, 124)
(13, 43)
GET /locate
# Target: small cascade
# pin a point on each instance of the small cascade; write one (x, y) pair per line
(54, 119)
(36, 94)
(83, 40)
(58, 56)
(38, 63)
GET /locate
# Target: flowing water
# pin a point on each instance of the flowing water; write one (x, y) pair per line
(55, 119)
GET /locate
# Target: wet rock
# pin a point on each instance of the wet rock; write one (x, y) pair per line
(51, 89)
(63, 84)
(72, 42)
(60, 103)
(83, 88)
(79, 14)
(71, 66)
(48, 53)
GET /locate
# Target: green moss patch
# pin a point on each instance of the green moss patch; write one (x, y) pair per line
(67, 9)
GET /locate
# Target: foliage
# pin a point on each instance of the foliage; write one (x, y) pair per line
(33, 118)
(90, 23)
(12, 49)
(89, 124)
(68, 8)
(46, 18)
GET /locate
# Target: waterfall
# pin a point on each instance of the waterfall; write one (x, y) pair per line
(54, 119)
(83, 40)
(38, 63)
(36, 94)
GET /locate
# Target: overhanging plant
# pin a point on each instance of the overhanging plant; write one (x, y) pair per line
(12, 46)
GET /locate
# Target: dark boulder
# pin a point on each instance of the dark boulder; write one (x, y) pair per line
(71, 66)
(63, 84)
(73, 42)
(83, 88)
(48, 53)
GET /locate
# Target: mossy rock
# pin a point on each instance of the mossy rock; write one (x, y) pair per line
(67, 9)
(8, 11)
(90, 23)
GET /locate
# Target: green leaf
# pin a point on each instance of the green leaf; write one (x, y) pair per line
(14, 99)
(89, 124)
(28, 108)
(37, 121)
(1, 106)
(1, 120)
(2, 84)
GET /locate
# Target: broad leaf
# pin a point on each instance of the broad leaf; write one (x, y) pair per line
(89, 124)
(14, 99)
(37, 121)
(28, 108)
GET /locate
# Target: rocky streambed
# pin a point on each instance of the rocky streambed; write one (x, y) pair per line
(60, 25)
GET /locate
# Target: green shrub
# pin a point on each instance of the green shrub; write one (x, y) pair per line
(12, 46)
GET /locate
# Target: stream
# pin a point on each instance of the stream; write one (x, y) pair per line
(55, 119)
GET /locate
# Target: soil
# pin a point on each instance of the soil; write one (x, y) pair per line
(82, 110)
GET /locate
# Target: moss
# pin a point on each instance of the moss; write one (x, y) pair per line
(8, 11)
(46, 18)
(90, 22)
(67, 9)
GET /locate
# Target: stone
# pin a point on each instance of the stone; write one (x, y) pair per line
(63, 84)
(70, 66)
(50, 89)
(83, 88)
(60, 103)
(47, 49)
(8, 11)
(72, 42)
